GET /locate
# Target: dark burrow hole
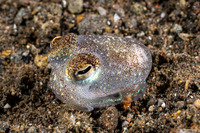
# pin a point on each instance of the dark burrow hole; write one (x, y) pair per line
(194, 88)
(164, 85)
(26, 85)
(12, 100)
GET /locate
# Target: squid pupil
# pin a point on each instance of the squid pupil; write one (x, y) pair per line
(84, 71)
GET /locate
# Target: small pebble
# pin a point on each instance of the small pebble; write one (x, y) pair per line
(109, 118)
(125, 124)
(108, 29)
(120, 12)
(6, 52)
(185, 36)
(141, 34)
(151, 108)
(15, 27)
(196, 7)
(182, 3)
(133, 22)
(152, 101)
(25, 53)
(138, 8)
(92, 24)
(189, 101)
(64, 3)
(180, 104)
(73, 119)
(32, 130)
(16, 57)
(108, 23)
(160, 101)
(177, 28)
(75, 6)
(163, 105)
(101, 11)
(116, 17)
(162, 15)
(7, 106)
(197, 103)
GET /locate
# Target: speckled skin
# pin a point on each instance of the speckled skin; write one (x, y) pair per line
(118, 66)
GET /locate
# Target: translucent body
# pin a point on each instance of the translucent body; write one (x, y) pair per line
(119, 65)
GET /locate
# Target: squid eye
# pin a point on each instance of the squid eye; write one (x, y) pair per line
(82, 68)
(84, 72)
